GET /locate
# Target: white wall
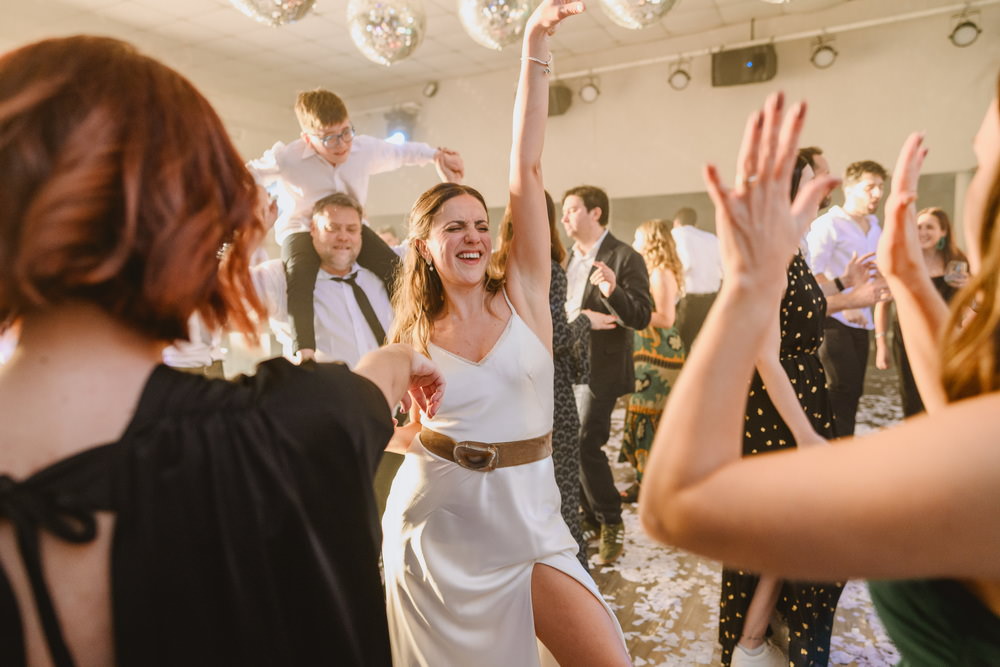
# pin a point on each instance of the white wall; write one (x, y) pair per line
(643, 138)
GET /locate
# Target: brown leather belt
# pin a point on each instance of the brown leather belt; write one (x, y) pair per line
(487, 456)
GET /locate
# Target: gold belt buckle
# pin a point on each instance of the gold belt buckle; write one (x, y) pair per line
(476, 457)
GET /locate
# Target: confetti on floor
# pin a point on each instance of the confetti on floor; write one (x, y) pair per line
(667, 600)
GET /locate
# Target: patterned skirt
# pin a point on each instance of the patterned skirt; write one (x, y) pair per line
(659, 357)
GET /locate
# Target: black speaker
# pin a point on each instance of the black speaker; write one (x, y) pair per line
(560, 99)
(752, 64)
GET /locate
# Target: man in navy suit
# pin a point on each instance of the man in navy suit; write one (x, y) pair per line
(607, 282)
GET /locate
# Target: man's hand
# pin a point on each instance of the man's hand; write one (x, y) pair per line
(858, 270)
(450, 166)
(855, 317)
(604, 278)
(600, 320)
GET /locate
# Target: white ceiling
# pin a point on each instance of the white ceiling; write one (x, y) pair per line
(222, 43)
(215, 44)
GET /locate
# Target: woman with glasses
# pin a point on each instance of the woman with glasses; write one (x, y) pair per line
(328, 157)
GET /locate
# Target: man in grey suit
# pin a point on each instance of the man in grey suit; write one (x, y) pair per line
(607, 282)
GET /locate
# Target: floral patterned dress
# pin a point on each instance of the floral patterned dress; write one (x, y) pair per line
(659, 356)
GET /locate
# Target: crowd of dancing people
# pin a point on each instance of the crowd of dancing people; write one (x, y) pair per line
(432, 498)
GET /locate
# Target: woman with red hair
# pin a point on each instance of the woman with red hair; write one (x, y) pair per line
(147, 516)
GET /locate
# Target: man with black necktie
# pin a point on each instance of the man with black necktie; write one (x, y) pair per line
(351, 305)
(351, 308)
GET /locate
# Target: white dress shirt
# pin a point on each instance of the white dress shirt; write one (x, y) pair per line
(832, 239)
(202, 347)
(299, 176)
(342, 332)
(699, 253)
(578, 275)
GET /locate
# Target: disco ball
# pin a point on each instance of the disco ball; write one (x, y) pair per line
(636, 14)
(274, 12)
(386, 31)
(494, 23)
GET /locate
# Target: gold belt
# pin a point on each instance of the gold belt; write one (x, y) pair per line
(487, 456)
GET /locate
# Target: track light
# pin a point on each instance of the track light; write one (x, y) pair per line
(589, 92)
(679, 78)
(823, 53)
(966, 30)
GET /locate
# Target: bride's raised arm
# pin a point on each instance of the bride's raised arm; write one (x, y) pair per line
(529, 264)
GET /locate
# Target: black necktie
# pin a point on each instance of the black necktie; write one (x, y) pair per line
(365, 305)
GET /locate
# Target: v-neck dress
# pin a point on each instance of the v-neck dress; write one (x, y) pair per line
(459, 545)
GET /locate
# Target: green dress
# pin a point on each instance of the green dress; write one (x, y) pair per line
(937, 623)
(659, 356)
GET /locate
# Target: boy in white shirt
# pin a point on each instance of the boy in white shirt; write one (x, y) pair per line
(325, 159)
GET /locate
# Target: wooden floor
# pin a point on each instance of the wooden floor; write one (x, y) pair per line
(667, 600)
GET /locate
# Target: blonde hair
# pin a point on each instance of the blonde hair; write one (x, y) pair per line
(418, 299)
(317, 109)
(659, 250)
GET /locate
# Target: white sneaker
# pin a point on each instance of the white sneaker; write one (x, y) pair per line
(771, 656)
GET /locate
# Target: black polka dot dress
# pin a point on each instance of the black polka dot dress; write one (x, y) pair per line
(808, 607)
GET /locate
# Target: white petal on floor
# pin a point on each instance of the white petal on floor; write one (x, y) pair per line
(667, 599)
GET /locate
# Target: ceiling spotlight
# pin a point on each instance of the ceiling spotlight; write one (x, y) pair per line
(589, 92)
(400, 123)
(966, 30)
(430, 89)
(823, 54)
(679, 78)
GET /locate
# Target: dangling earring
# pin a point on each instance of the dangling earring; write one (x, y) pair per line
(941, 243)
(430, 267)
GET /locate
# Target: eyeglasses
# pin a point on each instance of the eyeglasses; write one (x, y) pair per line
(347, 136)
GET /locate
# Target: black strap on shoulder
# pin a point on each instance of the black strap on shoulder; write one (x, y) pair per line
(29, 509)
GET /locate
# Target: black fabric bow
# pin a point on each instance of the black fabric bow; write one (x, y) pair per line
(30, 507)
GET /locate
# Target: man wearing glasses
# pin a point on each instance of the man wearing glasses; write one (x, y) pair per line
(328, 157)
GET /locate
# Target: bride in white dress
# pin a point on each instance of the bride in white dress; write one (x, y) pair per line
(478, 560)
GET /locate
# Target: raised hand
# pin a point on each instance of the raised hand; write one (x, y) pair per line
(449, 165)
(759, 228)
(549, 13)
(899, 253)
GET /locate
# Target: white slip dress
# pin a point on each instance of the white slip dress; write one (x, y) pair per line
(459, 545)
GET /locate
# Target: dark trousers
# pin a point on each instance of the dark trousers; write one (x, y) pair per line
(692, 310)
(301, 266)
(844, 354)
(599, 498)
